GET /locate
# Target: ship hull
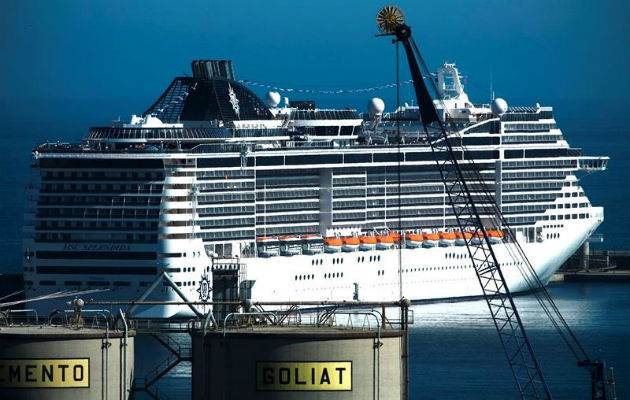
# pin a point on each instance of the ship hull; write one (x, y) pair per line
(436, 273)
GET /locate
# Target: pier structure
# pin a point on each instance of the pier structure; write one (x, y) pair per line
(321, 349)
(264, 350)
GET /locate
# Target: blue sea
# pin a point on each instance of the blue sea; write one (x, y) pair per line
(455, 352)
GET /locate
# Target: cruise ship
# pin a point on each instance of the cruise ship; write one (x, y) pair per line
(304, 203)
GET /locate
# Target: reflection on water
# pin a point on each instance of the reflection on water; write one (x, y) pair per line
(455, 351)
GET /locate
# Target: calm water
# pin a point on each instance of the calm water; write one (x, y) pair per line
(455, 352)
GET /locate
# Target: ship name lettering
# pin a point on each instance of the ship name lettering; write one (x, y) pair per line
(96, 247)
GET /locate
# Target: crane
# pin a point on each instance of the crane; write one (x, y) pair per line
(456, 178)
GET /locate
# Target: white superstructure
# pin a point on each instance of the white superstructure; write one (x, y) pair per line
(304, 203)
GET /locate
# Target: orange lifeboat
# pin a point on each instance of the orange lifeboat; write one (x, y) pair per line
(367, 243)
(332, 245)
(350, 244)
(430, 239)
(413, 240)
(396, 236)
(462, 237)
(384, 242)
(447, 239)
(495, 235)
(477, 237)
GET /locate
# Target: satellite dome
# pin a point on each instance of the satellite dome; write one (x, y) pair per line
(499, 106)
(272, 99)
(376, 106)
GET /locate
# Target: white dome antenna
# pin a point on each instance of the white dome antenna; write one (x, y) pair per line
(272, 99)
(499, 106)
(376, 106)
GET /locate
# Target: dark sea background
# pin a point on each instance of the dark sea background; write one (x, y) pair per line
(454, 348)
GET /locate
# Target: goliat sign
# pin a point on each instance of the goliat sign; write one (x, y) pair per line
(45, 373)
(304, 376)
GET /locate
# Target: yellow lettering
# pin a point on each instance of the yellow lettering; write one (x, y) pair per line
(311, 376)
(44, 373)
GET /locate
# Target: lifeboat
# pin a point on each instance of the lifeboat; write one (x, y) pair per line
(384, 242)
(350, 244)
(396, 236)
(461, 238)
(267, 246)
(332, 245)
(477, 237)
(367, 243)
(447, 239)
(430, 239)
(495, 236)
(312, 244)
(413, 240)
(290, 245)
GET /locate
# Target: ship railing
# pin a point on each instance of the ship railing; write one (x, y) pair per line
(221, 148)
(593, 163)
(91, 150)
